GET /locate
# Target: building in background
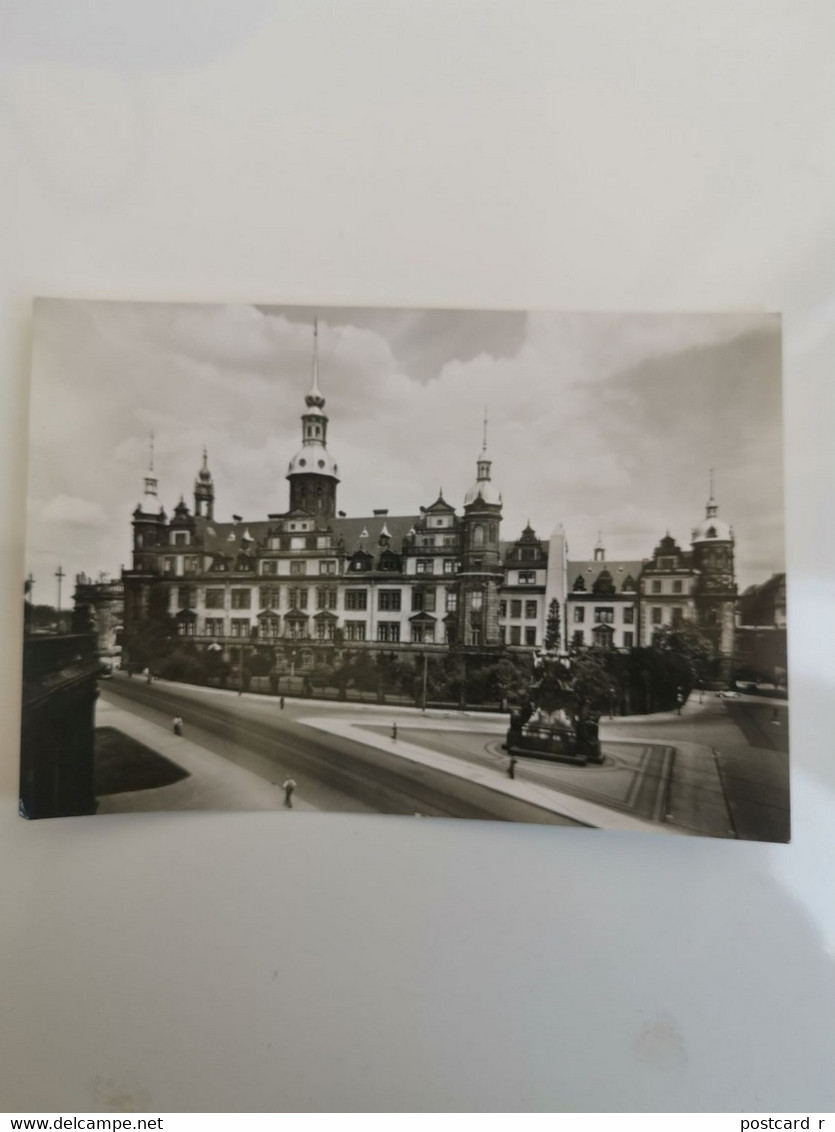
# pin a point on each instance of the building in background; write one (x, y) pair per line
(443, 579)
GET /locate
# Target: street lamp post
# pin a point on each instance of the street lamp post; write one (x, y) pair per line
(60, 575)
(423, 693)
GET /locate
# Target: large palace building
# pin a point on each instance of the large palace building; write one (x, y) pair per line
(444, 578)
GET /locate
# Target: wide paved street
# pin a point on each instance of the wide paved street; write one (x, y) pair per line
(720, 769)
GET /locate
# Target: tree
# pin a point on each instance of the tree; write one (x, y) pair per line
(686, 639)
(553, 626)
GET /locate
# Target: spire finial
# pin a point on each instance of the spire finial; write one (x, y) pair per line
(205, 458)
(484, 443)
(151, 465)
(314, 399)
(712, 509)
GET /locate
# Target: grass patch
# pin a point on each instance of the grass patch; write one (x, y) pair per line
(123, 764)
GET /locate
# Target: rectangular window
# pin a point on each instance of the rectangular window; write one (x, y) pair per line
(423, 634)
(424, 566)
(678, 615)
(214, 626)
(180, 538)
(240, 627)
(628, 640)
(325, 630)
(629, 615)
(579, 614)
(503, 634)
(388, 600)
(530, 609)
(449, 565)
(356, 599)
(324, 542)
(516, 634)
(577, 639)
(476, 600)
(388, 631)
(169, 565)
(241, 599)
(191, 564)
(423, 600)
(269, 567)
(297, 598)
(656, 587)
(655, 614)
(516, 608)
(327, 566)
(354, 630)
(604, 614)
(326, 597)
(677, 586)
(297, 569)
(451, 602)
(214, 598)
(269, 597)
(186, 597)
(527, 577)
(502, 609)
(530, 636)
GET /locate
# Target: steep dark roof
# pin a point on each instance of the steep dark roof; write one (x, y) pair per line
(590, 571)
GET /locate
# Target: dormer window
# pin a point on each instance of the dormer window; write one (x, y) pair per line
(711, 532)
(579, 583)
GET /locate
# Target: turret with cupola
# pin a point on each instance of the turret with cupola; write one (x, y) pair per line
(312, 472)
(712, 541)
(481, 571)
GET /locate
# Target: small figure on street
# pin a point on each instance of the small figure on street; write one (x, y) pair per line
(146, 672)
(288, 786)
(178, 725)
(511, 767)
(679, 701)
(281, 702)
(394, 732)
(775, 717)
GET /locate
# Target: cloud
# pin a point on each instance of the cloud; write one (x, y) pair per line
(73, 511)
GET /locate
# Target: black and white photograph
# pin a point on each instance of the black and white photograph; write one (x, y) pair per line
(502, 565)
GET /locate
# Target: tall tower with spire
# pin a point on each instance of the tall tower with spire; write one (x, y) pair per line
(481, 570)
(712, 541)
(149, 519)
(204, 491)
(312, 472)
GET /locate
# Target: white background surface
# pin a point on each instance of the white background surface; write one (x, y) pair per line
(621, 154)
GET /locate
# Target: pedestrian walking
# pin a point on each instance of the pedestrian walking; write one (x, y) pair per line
(394, 732)
(511, 767)
(281, 702)
(288, 786)
(178, 725)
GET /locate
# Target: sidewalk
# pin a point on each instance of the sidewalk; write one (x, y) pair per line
(213, 783)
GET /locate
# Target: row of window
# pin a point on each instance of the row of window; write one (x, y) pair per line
(604, 614)
(531, 609)
(657, 586)
(242, 629)
(326, 597)
(602, 637)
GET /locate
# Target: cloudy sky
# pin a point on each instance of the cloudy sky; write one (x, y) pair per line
(602, 422)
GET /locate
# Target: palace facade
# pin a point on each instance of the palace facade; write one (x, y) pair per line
(311, 577)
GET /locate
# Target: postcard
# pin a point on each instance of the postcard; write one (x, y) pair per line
(507, 565)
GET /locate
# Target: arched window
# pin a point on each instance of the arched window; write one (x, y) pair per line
(629, 583)
(579, 583)
(711, 532)
(478, 535)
